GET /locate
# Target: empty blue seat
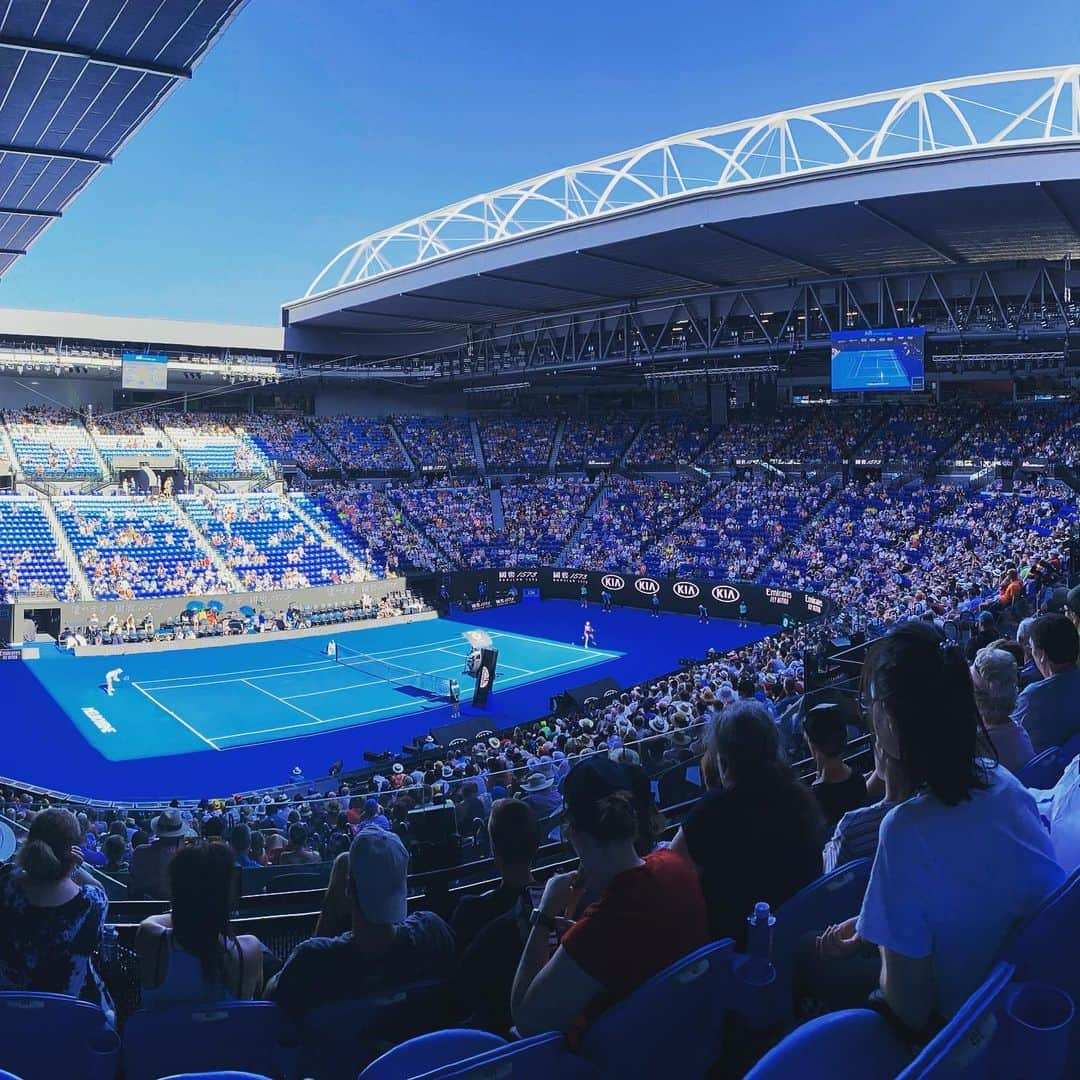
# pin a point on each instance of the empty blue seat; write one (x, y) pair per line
(230, 1075)
(543, 1057)
(831, 899)
(853, 1042)
(957, 1050)
(692, 996)
(428, 1052)
(342, 1038)
(239, 1035)
(1043, 770)
(44, 1036)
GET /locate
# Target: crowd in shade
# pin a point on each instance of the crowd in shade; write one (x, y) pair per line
(754, 440)
(539, 518)
(669, 440)
(631, 515)
(600, 439)
(513, 442)
(831, 435)
(435, 441)
(918, 433)
(361, 443)
(288, 438)
(390, 541)
(458, 519)
(732, 534)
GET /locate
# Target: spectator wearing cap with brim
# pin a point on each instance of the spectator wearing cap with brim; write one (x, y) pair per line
(539, 793)
(386, 946)
(148, 875)
(650, 912)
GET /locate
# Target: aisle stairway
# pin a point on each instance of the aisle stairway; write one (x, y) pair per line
(65, 550)
(225, 572)
(413, 468)
(478, 447)
(556, 443)
(575, 535)
(497, 517)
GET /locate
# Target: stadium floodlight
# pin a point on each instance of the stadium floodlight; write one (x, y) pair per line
(1040, 106)
(497, 389)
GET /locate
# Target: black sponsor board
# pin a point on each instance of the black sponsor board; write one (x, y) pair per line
(723, 599)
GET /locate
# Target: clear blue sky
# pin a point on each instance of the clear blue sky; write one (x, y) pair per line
(315, 122)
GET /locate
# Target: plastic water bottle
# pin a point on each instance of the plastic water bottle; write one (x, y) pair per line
(759, 969)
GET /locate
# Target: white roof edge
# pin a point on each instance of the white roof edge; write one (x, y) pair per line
(135, 330)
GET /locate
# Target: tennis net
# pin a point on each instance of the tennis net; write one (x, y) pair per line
(398, 674)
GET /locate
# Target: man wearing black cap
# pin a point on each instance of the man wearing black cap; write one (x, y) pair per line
(650, 912)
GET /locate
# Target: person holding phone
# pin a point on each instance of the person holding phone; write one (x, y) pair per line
(650, 912)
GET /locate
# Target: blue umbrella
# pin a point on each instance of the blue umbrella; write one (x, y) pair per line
(195, 605)
(247, 612)
(216, 605)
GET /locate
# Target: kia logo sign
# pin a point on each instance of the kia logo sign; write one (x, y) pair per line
(647, 586)
(687, 590)
(612, 582)
(485, 677)
(725, 594)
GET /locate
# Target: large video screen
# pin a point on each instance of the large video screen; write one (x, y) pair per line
(144, 371)
(878, 359)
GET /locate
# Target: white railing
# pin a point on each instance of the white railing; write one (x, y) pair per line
(1037, 106)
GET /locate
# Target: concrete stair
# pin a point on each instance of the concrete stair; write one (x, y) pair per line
(478, 446)
(327, 537)
(556, 443)
(63, 546)
(225, 572)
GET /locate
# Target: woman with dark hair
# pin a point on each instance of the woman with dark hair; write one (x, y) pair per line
(191, 954)
(756, 836)
(49, 925)
(961, 862)
(650, 911)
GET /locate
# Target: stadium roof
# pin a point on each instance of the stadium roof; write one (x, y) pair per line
(877, 183)
(78, 78)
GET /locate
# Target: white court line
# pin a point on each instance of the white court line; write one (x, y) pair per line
(316, 723)
(274, 697)
(178, 719)
(353, 686)
(579, 650)
(254, 673)
(538, 671)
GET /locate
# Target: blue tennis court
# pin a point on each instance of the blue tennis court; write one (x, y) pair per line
(217, 699)
(210, 720)
(878, 368)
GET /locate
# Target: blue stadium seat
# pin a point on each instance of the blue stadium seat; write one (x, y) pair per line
(44, 1036)
(831, 899)
(542, 1057)
(1045, 949)
(230, 1075)
(427, 1052)
(853, 1042)
(692, 996)
(341, 1038)
(251, 1035)
(956, 1051)
(1043, 770)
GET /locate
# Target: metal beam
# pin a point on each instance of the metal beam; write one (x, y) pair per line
(1055, 202)
(18, 211)
(372, 312)
(90, 56)
(12, 251)
(58, 155)
(817, 265)
(508, 308)
(940, 250)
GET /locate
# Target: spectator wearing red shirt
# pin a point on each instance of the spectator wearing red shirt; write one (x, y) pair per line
(650, 914)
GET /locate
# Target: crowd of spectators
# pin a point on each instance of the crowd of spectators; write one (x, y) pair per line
(919, 434)
(671, 440)
(288, 438)
(362, 444)
(538, 518)
(514, 442)
(732, 534)
(458, 519)
(631, 515)
(438, 441)
(600, 440)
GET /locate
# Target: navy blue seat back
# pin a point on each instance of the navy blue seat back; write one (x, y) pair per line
(255, 1036)
(692, 996)
(342, 1038)
(43, 1036)
(427, 1052)
(543, 1057)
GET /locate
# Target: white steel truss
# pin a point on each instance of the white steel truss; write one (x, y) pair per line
(1037, 106)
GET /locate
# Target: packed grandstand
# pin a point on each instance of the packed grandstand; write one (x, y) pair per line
(816, 811)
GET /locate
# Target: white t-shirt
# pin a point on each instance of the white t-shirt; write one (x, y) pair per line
(953, 881)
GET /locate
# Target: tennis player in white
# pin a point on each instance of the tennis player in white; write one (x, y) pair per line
(588, 635)
(111, 679)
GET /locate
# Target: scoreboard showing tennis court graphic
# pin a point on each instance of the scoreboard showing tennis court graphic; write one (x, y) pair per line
(878, 359)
